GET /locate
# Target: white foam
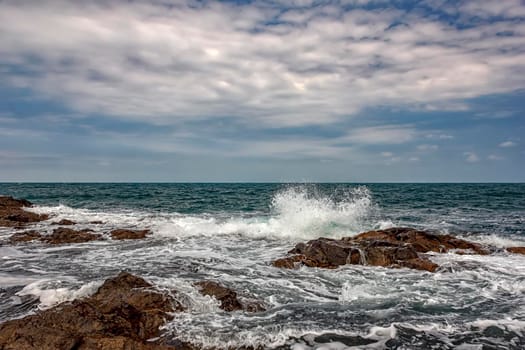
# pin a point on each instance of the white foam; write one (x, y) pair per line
(382, 333)
(296, 213)
(50, 297)
(498, 241)
(10, 280)
(514, 325)
(8, 252)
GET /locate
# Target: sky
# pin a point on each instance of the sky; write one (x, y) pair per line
(262, 91)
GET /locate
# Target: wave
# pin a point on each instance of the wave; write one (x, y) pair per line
(295, 212)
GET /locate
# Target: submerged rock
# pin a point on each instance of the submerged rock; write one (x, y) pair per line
(25, 236)
(63, 235)
(64, 222)
(12, 213)
(394, 247)
(228, 298)
(124, 313)
(516, 250)
(129, 234)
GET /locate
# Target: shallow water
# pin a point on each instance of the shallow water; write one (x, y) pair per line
(231, 233)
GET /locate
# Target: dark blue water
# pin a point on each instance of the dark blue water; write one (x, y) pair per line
(489, 208)
(231, 233)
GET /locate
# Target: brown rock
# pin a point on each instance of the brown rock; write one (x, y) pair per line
(111, 343)
(325, 252)
(25, 236)
(8, 201)
(129, 234)
(422, 241)
(12, 213)
(293, 261)
(395, 247)
(122, 314)
(63, 235)
(228, 298)
(516, 250)
(64, 222)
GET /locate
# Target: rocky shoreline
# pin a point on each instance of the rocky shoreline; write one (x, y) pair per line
(127, 312)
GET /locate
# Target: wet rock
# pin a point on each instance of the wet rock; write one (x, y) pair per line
(129, 234)
(293, 261)
(422, 241)
(25, 236)
(329, 253)
(228, 298)
(8, 201)
(396, 247)
(347, 340)
(516, 250)
(123, 314)
(64, 222)
(63, 235)
(111, 343)
(12, 213)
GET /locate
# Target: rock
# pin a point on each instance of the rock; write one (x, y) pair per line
(293, 261)
(129, 234)
(63, 235)
(516, 250)
(228, 298)
(349, 341)
(25, 236)
(12, 213)
(64, 222)
(8, 201)
(422, 241)
(329, 253)
(123, 314)
(395, 247)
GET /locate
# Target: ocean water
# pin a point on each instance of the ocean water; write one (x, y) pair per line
(231, 233)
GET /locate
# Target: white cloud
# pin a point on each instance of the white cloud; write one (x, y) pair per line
(471, 157)
(426, 147)
(439, 136)
(507, 144)
(387, 154)
(490, 8)
(170, 64)
(387, 134)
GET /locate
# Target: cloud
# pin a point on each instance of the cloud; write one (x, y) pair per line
(169, 62)
(387, 154)
(507, 144)
(471, 157)
(439, 136)
(426, 147)
(387, 134)
(489, 8)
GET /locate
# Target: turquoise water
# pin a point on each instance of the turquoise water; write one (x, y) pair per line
(231, 233)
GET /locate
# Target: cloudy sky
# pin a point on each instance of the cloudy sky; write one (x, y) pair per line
(304, 90)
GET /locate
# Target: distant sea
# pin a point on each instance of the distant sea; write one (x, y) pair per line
(231, 233)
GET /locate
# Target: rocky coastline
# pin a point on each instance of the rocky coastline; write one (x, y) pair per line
(127, 312)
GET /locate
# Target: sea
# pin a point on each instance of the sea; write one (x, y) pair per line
(230, 233)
